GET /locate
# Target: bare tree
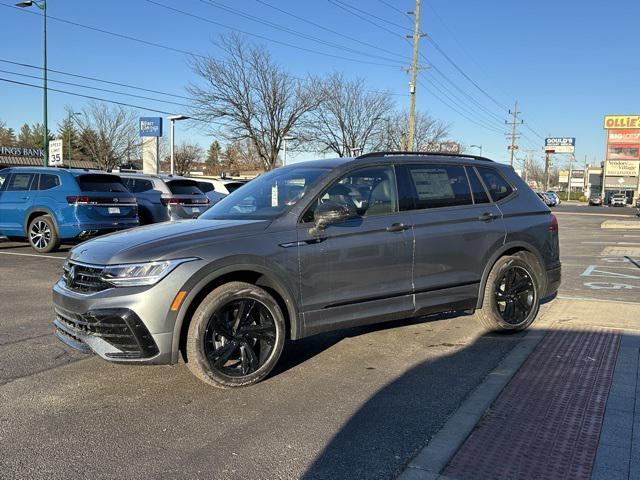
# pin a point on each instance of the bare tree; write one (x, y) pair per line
(187, 155)
(428, 130)
(108, 135)
(349, 119)
(256, 99)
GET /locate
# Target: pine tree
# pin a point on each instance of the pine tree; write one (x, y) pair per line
(68, 133)
(212, 164)
(25, 136)
(7, 135)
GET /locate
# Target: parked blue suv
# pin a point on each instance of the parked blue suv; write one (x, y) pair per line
(48, 205)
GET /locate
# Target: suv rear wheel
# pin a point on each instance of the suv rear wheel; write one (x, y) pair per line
(236, 336)
(512, 294)
(42, 234)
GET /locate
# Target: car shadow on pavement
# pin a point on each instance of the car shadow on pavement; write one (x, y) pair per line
(300, 351)
(397, 421)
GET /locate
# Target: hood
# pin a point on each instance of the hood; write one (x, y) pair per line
(162, 241)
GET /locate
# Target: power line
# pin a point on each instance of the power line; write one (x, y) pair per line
(91, 97)
(392, 7)
(85, 77)
(348, 10)
(364, 12)
(97, 89)
(262, 37)
(322, 27)
(276, 26)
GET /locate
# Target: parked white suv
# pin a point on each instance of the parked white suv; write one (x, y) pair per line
(618, 200)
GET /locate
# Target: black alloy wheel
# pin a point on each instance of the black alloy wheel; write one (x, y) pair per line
(239, 337)
(515, 295)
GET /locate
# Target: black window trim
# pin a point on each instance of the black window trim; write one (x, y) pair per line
(341, 176)
(484, 187)
(40, 180)
(514, 189)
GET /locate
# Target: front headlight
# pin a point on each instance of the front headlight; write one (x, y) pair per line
(138, 274)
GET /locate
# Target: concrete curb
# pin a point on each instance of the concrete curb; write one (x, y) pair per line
(434, 457)
(623, 224)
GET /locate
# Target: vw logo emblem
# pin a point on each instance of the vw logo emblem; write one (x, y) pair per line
(115, 200)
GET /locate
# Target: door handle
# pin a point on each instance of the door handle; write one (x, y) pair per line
(398, 227)
(486, 217)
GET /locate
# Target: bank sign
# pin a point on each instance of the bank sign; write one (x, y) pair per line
(150, 126)
(621, 121)
(560, 145)
(21, 152)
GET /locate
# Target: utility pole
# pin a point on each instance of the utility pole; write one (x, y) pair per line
(514, 123)
(414, 78)
(571, 158)
(546, 171)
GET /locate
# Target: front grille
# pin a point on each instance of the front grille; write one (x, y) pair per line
(119, 327)
(84, 278)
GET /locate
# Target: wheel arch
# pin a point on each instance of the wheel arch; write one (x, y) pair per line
(510, 249)
(254, 274)
(38, 211)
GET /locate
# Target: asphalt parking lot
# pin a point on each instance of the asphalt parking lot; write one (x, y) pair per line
(352, 404)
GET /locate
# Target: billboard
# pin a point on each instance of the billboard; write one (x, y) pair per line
(560, 145)
(150, 126)
(622, 168)
(621, 121)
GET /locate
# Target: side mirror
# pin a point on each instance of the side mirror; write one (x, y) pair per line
(329, 213)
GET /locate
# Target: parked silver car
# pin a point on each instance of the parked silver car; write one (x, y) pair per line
(165, 197)
(310, 248)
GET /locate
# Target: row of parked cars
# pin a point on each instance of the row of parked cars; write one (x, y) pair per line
(46, 206)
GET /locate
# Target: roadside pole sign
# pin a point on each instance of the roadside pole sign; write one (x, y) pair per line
(560, 145)
(55, 153)
(150, 126)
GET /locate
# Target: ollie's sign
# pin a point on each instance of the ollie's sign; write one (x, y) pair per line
(621, 121)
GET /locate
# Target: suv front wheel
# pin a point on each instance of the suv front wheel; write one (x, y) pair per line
(236, 336)
(512, 294)
(42, 234)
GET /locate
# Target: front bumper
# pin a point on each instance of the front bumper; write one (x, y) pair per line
(124, 324)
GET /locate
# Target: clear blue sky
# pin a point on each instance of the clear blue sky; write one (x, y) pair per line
(567, 62)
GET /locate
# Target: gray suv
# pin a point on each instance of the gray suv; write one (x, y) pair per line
(310, 248)
(165, 197)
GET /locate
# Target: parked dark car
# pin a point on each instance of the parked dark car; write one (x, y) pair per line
(46, 206)
(163, 198)
(595, 200)
(310, 248)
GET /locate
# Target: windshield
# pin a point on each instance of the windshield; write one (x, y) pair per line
(267, 196)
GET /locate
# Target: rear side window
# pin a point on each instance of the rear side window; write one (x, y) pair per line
(205, 187)
(47, 181)
(101, 183)
(439, 186)
(140, 185)
(19, 182)
(479, 193)
(184, 187)
(497, 186)
(3, 178)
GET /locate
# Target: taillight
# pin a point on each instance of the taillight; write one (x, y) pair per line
(170, 201)
(553, 223)
(78, 200)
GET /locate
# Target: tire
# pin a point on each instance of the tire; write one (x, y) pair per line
(236, 336)
(42, 234)
(495, 312)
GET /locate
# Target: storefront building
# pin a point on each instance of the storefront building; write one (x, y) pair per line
(622, 160)
(32, 157)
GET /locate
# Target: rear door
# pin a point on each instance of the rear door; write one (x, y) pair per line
(457, 228)
(15, 201)
(186, 200)
(104, 200)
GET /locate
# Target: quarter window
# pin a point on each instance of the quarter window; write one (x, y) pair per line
(479, 193)
(48, 181)
(439, 186)
(140, 185)
(3, 177)
(19, 182)
(366, 193)
(497, 186)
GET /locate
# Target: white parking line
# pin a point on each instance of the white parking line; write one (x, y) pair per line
(612, 243)
(31, 255)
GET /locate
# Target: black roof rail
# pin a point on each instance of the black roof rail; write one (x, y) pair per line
(436, 154)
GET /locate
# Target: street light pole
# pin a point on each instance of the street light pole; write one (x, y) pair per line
(173, 119)
(284, 148)
(477, 146)
(42, 5)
